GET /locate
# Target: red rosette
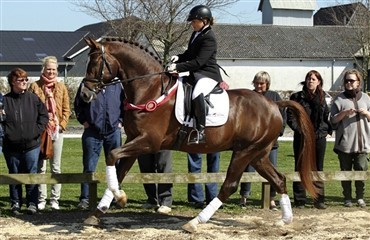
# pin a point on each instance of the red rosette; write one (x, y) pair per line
(151, 106)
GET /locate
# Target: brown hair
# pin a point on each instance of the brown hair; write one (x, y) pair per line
(319, 91)
(16, 73)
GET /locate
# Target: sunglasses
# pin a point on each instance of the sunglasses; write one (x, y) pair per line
(22, 80)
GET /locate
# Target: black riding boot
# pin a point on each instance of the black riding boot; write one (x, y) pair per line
(198, 135)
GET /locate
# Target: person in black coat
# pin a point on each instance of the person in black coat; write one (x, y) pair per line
(26, 118)
(200, 61)
(312, 98)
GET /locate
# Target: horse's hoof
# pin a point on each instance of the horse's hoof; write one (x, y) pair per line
(122, 199)
(92, 221)
(283, 222)
(191, 226)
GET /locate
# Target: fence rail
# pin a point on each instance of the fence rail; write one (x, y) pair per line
(93, 179)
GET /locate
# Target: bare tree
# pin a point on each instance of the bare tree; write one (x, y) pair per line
(162, 22)
(356, 16)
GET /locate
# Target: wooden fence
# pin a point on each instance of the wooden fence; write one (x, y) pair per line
(93, 179)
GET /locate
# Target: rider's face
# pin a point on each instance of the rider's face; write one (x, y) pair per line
(197, 24)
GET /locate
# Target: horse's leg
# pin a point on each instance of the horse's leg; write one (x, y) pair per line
(122, 169)
(278, 181)
(238, 163)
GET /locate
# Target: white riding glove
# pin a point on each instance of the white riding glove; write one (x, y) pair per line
(171, 68)
(174, 59)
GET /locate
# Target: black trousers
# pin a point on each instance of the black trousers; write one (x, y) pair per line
(298, 190)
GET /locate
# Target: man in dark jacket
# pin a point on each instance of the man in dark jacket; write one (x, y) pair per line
(102, 121)
(26, 119)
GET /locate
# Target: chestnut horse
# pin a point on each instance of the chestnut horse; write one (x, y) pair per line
(252, 127)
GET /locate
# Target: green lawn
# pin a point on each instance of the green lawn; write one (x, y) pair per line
(72, 163)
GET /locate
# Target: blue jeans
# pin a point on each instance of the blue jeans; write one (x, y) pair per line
(245, 188)
(195, 191)
(92, 144)
(23, 162)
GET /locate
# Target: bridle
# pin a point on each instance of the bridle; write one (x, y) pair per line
(100, 84)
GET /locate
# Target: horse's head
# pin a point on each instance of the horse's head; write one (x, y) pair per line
(102, 69)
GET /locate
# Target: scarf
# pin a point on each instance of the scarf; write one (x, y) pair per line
(53, 124)
(353, 93)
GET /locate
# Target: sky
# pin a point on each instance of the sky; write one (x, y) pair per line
(63, 15)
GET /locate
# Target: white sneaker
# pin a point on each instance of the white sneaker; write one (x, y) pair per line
(41, 205)
(164, 210)
(361, 203)
(54, 205)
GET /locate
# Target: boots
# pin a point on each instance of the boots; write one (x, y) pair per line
(197, 136)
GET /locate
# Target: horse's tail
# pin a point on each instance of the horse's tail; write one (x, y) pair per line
(307, 156)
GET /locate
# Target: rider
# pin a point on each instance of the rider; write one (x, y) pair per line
(200, 60)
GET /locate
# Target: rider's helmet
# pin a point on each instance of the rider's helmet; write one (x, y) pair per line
(199, 12)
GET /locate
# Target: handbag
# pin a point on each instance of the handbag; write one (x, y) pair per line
(46, 147)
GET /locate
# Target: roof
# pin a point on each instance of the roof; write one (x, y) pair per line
(273, 42)
(296, 4)
(31, 46)
(347, 14)
(234, 42)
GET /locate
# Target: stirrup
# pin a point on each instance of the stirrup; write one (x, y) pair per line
(197, 139)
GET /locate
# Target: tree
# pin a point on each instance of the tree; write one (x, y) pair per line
(356, 16)
(162, 23)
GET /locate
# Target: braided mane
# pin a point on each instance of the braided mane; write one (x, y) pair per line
(134, 44)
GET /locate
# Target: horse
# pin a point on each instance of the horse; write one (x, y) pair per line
(252, 126)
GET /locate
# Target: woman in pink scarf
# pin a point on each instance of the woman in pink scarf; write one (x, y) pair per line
(55, 96)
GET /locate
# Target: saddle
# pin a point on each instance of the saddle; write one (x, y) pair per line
(188, 111)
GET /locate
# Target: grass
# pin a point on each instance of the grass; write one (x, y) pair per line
(72, 163)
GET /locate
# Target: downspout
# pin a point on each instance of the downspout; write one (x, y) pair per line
(332, 73)
(65, 72)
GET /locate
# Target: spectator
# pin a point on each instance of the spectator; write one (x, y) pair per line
(312, 98)
(350, 116)
(195, 190)
(261, 83)
(159, 195)
(54, 95)
(26, 119)
(102, 121)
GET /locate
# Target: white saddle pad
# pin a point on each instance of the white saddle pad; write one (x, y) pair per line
(216, 116)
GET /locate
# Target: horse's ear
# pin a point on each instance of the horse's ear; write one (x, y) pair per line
(91, 42)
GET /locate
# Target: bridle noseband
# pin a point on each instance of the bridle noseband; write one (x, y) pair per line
(100, 84)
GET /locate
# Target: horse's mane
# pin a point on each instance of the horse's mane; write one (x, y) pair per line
(134, 44)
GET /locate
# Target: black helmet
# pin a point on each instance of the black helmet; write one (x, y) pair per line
(199, 12)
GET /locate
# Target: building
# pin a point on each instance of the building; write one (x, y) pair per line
(284, 49)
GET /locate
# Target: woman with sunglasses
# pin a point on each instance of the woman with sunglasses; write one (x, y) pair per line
(350, 116)
(26, 119)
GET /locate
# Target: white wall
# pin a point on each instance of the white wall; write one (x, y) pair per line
(292, 17)
(285, 74)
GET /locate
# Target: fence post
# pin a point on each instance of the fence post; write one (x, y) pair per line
(265, 195)
(93, 195)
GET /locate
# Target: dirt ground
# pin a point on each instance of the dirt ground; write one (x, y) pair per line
(332, 223)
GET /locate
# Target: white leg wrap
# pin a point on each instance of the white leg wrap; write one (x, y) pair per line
(105, 201)
(112, 180)
(208, 212)
(286, 209)
(111, 176)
